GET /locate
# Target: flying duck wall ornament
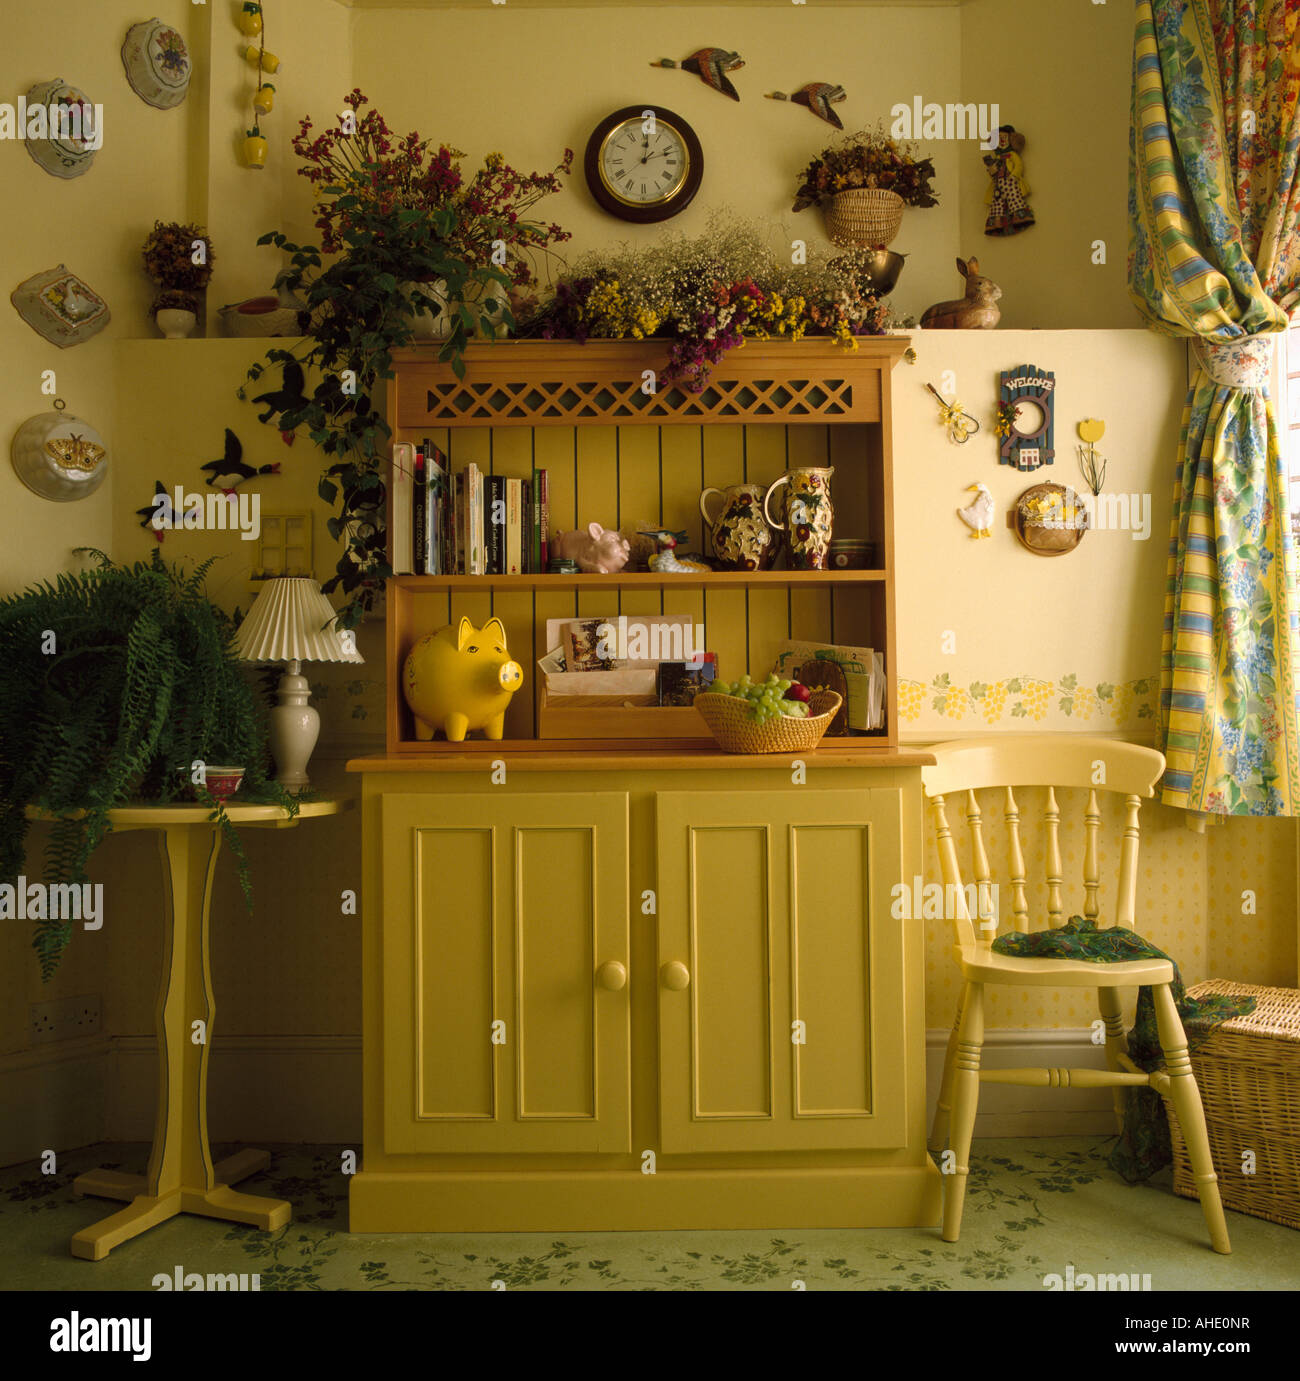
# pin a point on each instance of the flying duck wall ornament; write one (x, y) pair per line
(228, 473)
(819, 97)
(711, 65)
(289, 397)
(161, 509)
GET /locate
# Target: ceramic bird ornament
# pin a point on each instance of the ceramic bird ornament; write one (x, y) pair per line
(712, 66)
(160, 508)
(665, 560)
(819, 97)
(978, 514)
(228, 473)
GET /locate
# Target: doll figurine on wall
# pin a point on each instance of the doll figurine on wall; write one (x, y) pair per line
(1008, 197)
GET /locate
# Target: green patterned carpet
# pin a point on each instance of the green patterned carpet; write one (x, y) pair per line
(1035, 1207)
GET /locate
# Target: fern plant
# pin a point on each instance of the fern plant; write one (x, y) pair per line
(117, 681)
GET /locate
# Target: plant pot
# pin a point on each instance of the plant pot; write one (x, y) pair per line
(426, 327)
(868, 217)
(223, 782)
(255, 150)
(175, 323)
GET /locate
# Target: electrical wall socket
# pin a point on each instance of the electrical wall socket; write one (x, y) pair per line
(65, 1019)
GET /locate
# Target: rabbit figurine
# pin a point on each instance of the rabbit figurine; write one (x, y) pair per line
(978, 310)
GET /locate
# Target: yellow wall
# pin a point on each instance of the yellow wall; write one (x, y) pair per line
(529, 82)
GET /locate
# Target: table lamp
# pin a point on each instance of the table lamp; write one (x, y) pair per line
(292, 621)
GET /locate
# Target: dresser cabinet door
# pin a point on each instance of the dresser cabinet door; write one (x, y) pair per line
(774, 910)
(499, 911)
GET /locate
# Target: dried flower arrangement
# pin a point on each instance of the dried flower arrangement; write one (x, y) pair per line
(707, 295)
(173, 260)
(869, 158)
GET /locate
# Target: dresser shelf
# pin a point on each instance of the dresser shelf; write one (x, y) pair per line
(641, 580)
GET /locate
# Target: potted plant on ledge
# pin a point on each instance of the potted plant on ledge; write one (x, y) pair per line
(179, 259)
(118, 681)
(413, 238)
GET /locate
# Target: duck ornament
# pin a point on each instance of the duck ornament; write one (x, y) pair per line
(711, 65)
(228, 473)
(978, 514)
(819, 97)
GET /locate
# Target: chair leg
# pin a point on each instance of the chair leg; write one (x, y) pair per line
(966, 1094)
(1186, 1098)
(1113, 1018)
(942, 1109)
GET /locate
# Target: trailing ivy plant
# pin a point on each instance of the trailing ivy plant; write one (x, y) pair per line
(117, 681)
(411, 236)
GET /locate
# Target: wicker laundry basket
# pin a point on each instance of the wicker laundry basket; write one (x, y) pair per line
(1248, 1071)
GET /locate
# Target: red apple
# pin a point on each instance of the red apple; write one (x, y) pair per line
(799, 691)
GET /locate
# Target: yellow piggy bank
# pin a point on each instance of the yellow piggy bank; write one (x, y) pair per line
(461, 678)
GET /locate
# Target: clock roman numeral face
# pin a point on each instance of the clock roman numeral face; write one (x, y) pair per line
(641, 169)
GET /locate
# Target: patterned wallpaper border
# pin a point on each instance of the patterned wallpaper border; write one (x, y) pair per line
(1030, 698)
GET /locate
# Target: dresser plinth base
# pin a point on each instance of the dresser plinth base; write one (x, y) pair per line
(628, 1201)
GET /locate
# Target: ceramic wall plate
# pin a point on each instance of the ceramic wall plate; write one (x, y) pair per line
(59, 456)
(60, 306)
(68, 148)
(157, 63)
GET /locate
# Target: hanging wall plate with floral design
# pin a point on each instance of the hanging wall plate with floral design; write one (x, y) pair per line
(64, 145)
(157, 63)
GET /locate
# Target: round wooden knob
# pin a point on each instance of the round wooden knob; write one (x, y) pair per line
(612, 975)
(675, 976)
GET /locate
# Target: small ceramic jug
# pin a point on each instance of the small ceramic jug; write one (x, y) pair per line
(809, 516)
(739, 536)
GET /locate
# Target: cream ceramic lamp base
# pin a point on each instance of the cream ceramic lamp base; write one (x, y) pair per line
(295, 727)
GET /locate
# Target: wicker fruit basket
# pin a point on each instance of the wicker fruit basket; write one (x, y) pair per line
(866, 216)
(729, 721)
(1248, 1071)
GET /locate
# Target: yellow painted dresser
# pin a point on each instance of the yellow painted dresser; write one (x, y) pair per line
(641, 990)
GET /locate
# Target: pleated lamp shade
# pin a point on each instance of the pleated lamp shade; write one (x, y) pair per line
(292, 621)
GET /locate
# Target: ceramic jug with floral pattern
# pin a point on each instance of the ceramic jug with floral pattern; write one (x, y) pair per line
(740, 539)
(809, 516)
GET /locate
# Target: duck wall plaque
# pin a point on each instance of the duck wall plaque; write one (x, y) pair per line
(60, 306)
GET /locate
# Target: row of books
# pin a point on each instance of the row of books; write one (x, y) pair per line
(464, 522)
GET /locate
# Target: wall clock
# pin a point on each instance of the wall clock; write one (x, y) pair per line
(644, 164)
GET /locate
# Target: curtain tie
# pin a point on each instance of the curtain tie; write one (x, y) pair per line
(1242, 363)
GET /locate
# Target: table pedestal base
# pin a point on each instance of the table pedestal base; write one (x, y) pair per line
(145, 1210)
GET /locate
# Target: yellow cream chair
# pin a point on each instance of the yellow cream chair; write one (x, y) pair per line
(961, 770)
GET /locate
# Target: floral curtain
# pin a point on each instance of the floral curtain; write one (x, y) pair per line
(1214, 254)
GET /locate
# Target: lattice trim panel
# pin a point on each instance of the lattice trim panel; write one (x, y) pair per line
(611, 401)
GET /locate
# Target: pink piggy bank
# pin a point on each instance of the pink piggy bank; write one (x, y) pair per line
(599, 551)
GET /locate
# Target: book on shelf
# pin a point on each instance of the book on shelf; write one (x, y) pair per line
(514, 531)
(458, 545)
(495, 486)
(476, 564)
(543, 518)
(856, 673)
(435, 472)
(401, 549)
(526, 528)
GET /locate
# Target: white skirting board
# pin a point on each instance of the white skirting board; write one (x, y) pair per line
(308, 1089)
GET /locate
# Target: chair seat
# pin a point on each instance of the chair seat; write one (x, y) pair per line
(979, 964)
